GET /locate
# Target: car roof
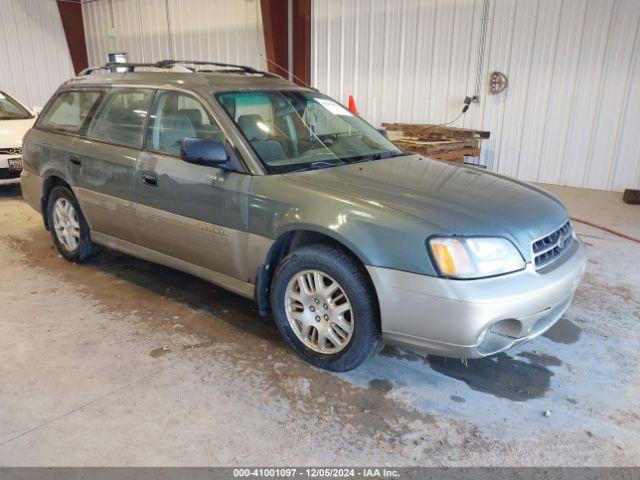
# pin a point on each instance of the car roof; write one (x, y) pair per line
(202, 82)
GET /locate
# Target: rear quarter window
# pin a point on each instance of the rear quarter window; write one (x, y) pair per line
(69, 110)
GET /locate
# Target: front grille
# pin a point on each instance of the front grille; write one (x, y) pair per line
(550, 248)
(11, 151)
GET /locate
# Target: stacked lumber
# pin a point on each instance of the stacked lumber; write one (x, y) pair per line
(436, 141)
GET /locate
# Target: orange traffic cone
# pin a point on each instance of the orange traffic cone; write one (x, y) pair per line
(352, 105)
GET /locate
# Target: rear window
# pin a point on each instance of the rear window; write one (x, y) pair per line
(121, 117)
(69, 110)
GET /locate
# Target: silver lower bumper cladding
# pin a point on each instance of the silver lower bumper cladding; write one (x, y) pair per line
(475, 318)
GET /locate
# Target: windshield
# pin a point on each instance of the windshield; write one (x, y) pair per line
(11, 109)
(298, 130)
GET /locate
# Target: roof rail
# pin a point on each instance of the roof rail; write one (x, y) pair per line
(166, 64)
(129, 66)
(108, 66)
(89, 70)
(171, 63)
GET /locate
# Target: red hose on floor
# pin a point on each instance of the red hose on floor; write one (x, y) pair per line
(605, 229)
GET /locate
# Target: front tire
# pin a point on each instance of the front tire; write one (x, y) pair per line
(325, 308)
(69, 229)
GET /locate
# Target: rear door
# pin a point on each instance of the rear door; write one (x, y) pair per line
(194, 213)
(105, 161)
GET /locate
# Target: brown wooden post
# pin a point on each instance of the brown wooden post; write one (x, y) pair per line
(71, 15)
(301, 41)
(276, 33)
(275, 21)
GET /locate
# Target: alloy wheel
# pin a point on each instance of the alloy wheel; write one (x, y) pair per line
(319, 311)
(66, 224)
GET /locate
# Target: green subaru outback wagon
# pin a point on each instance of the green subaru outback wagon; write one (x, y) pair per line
(280, 194)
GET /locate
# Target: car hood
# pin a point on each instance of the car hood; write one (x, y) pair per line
(449, 198)
(12, 131)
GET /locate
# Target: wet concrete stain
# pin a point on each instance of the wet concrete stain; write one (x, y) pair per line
(564, 331)
(499, 375)
(158, 352)
(381, 385)
(541, 359)
(390, 351)
(198, 346)
(457, 398)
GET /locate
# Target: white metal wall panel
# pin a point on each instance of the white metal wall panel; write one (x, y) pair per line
(33, 50)
(561, 98)
(626, 161)
(152, 30)
(572, 107)
(354, 41)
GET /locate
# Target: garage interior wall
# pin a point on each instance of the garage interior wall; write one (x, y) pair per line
(570, 115)
(152, 30)
(34, 57)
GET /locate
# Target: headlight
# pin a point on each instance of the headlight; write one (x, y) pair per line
(461, 257)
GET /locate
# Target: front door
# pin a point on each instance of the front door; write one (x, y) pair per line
(193, 213)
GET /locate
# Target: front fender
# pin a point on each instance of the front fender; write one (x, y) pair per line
(321, 229)
(377, 235)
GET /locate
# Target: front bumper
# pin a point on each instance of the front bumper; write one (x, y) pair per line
(475, 318)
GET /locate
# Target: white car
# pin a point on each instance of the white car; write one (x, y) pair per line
(15, 121)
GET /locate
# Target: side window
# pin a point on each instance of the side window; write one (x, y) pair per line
(121, 117)
(69, 110)
(176, 116)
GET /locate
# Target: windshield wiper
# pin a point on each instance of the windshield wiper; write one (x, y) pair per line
(382, 156)
(323, 164)
(317, 166)
(376, 156)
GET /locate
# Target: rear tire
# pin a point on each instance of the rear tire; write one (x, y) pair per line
(325, 308)
(68, 227)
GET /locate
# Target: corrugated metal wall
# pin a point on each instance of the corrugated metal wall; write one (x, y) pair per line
(151, 30)
(572, 110)
(34, 57)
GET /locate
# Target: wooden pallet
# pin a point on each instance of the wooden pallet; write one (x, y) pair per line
(444, 143)
(434, 131)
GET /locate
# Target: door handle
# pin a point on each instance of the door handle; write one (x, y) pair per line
(150, 179)
(75, 160)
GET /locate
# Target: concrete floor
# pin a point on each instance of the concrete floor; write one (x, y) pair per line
(121, 362)
(600, 207)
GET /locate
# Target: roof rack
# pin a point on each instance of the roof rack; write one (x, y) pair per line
(108, 66)
(166, 64)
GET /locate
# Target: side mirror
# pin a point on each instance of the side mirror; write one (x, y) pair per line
(36, 111)
(204, 152)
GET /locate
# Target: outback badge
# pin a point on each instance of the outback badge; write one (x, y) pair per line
(209, 227)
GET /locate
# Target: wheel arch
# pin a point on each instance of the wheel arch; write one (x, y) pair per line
(293, 239)
(52, 181)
